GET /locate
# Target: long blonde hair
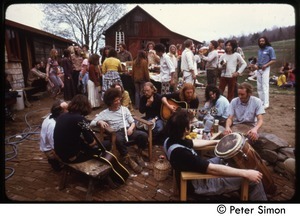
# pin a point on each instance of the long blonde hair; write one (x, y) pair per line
(53, 54)
(185, 87)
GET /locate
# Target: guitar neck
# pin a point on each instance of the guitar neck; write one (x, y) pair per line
(97, 140)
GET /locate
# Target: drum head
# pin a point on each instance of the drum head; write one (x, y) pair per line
(229, 145)
(146, 126)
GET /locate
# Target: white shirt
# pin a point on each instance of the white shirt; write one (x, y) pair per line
(232, 61)
(187, 60)
(245, 112)
(211, 59)
(46, 136)
(166, 68)
(114, 118)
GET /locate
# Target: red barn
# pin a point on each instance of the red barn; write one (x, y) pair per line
(137, 27)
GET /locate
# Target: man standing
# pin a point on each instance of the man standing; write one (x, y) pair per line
(245, 113)
(123, 54)
(232, 65)
(167, 69)
(266, 57)
(187, 62)
(211, 63)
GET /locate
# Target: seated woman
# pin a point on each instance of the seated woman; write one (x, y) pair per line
(216, 103)
(290, 79)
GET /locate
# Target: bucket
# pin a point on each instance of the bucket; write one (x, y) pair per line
(20, 101)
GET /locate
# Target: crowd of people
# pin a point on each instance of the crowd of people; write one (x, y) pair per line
(88, 80)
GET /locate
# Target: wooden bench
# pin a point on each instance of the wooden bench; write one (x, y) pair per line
(185, 176)
(94, 169)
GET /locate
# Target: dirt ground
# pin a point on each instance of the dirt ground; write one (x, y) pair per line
(32, 179)
(280, 117)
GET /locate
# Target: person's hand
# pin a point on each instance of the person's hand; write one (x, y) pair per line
(129, 131)
(103, 124)
(99, 88)
(227, 131)
(235, 74)
(254, 176)
(150, 101)
(252, 134)
(172, 108)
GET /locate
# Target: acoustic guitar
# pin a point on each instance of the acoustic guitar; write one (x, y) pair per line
(165, 112)
(119, 172)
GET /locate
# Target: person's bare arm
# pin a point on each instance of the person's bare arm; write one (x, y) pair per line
(198, 143)
(222, 170)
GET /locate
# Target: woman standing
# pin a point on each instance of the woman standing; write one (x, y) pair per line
(174, 58)
(52, 71)
(69, 88)
(93, 83)
(110, 70)
(140, 75)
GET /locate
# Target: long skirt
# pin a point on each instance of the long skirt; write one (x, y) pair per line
(110, 78)
(93, 94)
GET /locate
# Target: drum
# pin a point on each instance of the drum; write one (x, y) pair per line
(237, 152)
(140, 125)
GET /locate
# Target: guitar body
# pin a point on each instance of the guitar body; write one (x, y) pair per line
(119, 172)
(166, 113)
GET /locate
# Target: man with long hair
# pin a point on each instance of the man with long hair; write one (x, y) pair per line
(266, 57)
(72, 143)
(232, 65)
(185, 96)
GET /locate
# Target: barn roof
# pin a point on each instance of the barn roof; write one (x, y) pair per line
(141, 9)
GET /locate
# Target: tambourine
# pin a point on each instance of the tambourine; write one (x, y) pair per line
(141, 125)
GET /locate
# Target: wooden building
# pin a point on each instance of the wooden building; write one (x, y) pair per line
(137, 27)
(23, 46)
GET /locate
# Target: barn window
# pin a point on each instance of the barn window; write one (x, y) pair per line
(12, 45)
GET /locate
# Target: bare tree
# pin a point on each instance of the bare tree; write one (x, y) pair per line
(82, 23)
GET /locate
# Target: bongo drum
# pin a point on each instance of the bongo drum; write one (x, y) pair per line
(237, 152)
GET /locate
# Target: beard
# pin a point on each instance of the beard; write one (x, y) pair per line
(262, 45)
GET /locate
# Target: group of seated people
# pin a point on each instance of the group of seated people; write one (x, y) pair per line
(70, 143)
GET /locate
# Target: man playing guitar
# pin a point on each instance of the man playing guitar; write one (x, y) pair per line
(185, 98)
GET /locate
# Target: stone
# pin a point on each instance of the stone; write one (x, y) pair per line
(269, 155)
(290, 165)
(271, 141)
(288, 151)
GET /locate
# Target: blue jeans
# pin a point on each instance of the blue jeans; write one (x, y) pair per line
(220, 186)
(159, 127)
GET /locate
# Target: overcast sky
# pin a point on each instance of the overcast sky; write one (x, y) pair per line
(202, 22)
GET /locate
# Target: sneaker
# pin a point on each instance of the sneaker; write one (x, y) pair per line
(140, 161)
(134, 166)
(251, 78)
